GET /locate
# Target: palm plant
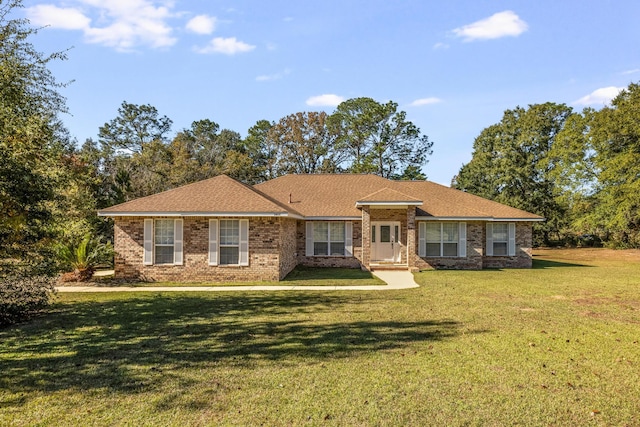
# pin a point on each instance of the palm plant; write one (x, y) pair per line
(84, 257)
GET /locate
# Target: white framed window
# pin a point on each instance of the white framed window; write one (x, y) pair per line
(501, 239)
(442, 239)
(329, 238)
(162, 242)
(229, 242)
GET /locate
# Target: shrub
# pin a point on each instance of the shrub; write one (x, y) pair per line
(82, 258)
(22, 297)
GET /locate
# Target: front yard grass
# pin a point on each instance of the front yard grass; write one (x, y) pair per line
(554, 345)
(300, 276)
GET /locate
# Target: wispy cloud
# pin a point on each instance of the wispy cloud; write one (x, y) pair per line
(325, 100)
(627, 72)
(425, 101)
(119, 24)
(202, 24)
(440, 46)
(501, 24)
(226, 46)
(601, 96)
(275, 76)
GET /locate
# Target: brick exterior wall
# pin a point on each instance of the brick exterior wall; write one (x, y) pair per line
(277, 245)
(330, 261)
(523, 258)
(269, 238)
(476, 259)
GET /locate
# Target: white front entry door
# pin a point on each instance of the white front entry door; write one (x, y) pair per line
(384, 241)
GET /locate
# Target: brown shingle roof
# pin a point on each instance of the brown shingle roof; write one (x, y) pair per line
(315, 196)
(220, 194)
(387, 195)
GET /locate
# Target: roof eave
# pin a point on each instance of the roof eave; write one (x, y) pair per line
(208, 214)
(477, 218)
(361, 203)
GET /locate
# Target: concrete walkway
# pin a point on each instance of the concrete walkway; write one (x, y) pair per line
(394, 280)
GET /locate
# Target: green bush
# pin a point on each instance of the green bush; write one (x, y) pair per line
(83, 257)
(22, 297)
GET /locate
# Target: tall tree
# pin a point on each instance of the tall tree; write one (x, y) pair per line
(134, 127)
(32, 139)
(304, 144)
(379, 139)
(601, 152)
(510, 164)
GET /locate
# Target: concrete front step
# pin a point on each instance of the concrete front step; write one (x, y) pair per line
(387, 267)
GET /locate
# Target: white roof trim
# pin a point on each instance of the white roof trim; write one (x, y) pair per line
(207, 214)
(478, 218)
(360, 203)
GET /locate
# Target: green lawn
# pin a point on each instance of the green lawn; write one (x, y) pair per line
(555, 345)
(300, 276)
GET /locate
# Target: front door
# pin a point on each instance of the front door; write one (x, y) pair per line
(384, 241)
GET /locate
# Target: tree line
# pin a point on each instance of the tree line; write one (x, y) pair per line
(578, 169)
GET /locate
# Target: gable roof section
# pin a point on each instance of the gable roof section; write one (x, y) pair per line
(388, 196)
(215, 196)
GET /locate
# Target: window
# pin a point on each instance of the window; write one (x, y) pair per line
(329, 238)
(442, 239)
(229, 242)
(164, 240)
(501, 239)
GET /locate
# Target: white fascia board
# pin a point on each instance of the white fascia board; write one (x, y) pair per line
(207, 214)
(482, 218)
(360, 204)
(333, 218)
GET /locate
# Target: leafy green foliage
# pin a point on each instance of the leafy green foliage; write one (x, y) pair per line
(511, 165)
(85, 255)
(22, 297)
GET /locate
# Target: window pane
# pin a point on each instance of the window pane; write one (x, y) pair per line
(320, 231)
(450, 232)
(229, 232)
(229, 255)
(433, 232)
(500, 233)
(450, 249)
(433, 249)
(337, 232)
(320, 248)
(337, 248)
(499, 248)
(164, 255)
(397, 235)
(373, 234)
(385, 233)
(164, 232)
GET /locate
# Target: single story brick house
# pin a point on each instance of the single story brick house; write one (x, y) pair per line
(222, 230)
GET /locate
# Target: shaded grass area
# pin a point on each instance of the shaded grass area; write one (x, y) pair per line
(555, 345)
(300, 276)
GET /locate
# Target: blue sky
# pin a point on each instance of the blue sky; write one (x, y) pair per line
(453, 66)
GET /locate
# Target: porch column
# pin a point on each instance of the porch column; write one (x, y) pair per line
(411, 236)
(366, 237)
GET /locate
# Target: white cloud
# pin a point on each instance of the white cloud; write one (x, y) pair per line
(58, 17)
(627, 72)
(601, 96)
(325, 100)
(498, 25)
(440, 45)
(227, 46)
(202, 24)
(425, 101)
(121, 24)
(276, 76)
